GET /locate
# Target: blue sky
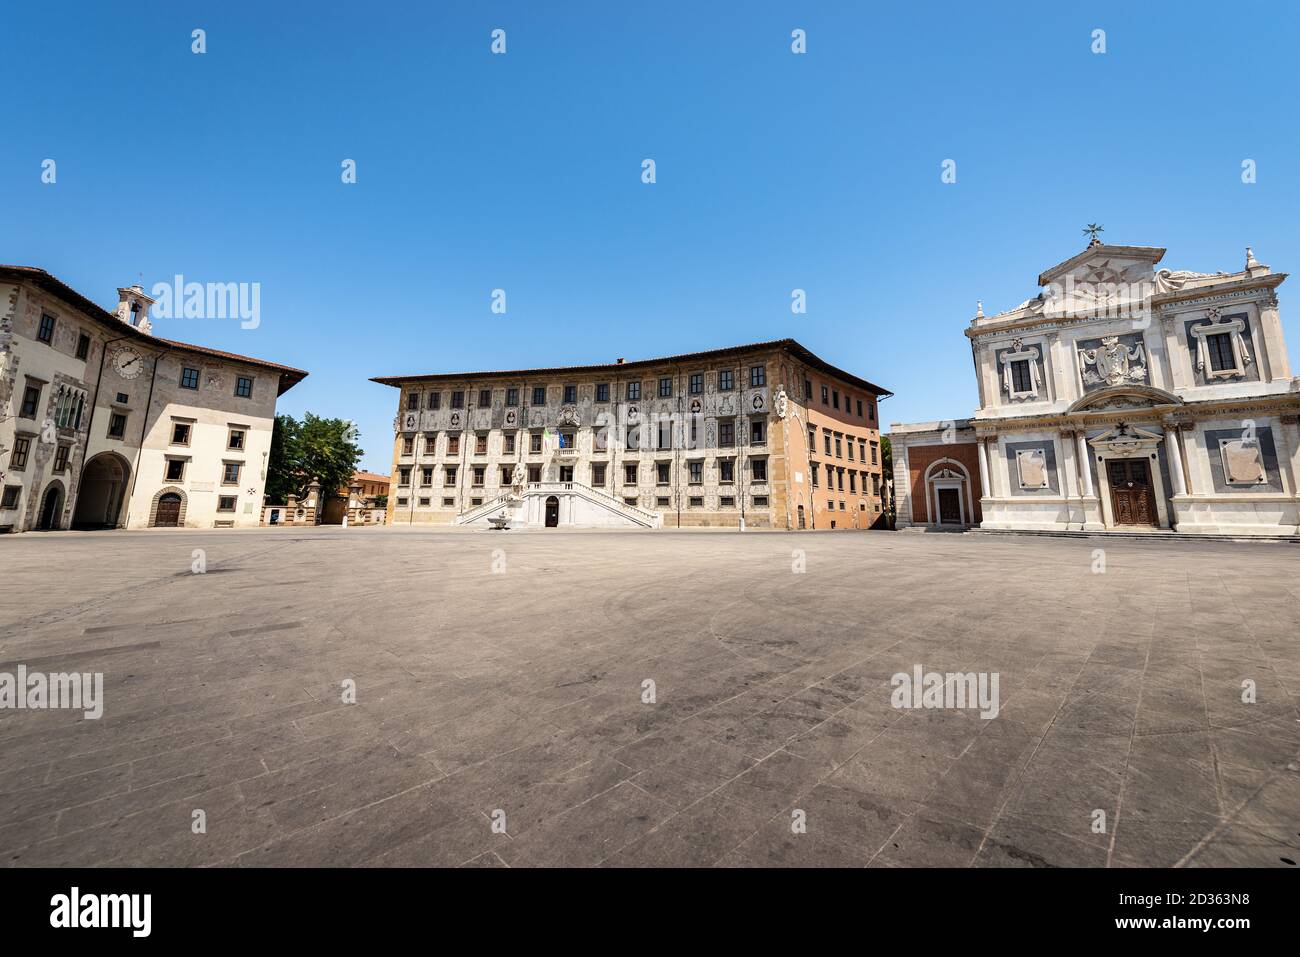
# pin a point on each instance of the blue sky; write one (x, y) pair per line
(523, 172)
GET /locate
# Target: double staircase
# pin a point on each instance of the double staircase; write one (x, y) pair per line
(529, 507)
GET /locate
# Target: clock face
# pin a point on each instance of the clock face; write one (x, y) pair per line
(128, 363)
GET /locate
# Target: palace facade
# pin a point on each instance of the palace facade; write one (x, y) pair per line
(106, 425)
(765, 435)
(1121, 397)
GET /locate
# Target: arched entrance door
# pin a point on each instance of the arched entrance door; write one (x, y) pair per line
(51, 508)
(103, 492)
(169, 511)
(552, 512)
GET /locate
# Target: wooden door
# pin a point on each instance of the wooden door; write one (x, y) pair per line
(949, 507)
(169, 511)
(1131, 494)
(552, 512)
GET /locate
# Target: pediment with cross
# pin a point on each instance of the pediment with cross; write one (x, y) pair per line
(1127, 440)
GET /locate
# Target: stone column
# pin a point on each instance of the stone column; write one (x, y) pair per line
(1085, 464)
(1174, 453)
(291, 510)
(984, 468)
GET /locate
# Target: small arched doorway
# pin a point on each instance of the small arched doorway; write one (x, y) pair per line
(169, 511)
(552, 512)
(102, 492)
(802, 522)
(51, 508)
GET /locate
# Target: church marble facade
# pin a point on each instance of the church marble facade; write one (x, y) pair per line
(1122, 397)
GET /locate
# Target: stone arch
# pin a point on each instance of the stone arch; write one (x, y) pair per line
(1127, 396)
(930, 482)
(102, 492)
(50, 505)
(168, 490)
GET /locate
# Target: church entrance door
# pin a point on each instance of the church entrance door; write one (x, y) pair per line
(949, 507)
(1132, 498)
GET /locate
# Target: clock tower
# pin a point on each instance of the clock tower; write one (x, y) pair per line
(133, 307)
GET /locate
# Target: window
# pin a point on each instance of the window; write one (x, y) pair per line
(479, 473)
(838, 448)
(695, 501)
(757, 376)
(697, 383)
(758, 470)
(871, 410)
(401, 501)
(859, 408)
(435, 400)
(850, 445)
(11, 494)
(244, 387)
(807, 388)
(566, 473)
(862, 450)
(727, 501)
(835, 398)
(83, 346)
(61, 458)
(480, 443)
(598, 474)
(230, 472)
(22, 448)
(512, 397)
(408, 445)
(875, 483)
(448, 502)
(123, 398)
(68, 406)
(873, 452)
(539, 395)
(508, 443)
(180, 433)
(853, 482)
(727, 471)
(226, 503)
(46, 331)
(697, 472)
(760, 501)
(662, 472)
(458, 399)
(236, 439)
(629, 500)
(412, 401)
(1021, 381)
(812, 440)
(629, 474)
(602, 392)
(31, 399)
(1221, 356)
(189, 378)
(174, 470)
(426, 475)
(633, 437)
(534, 473)
(826, 437)
(568, 439)
(726, 380)
(726, 434)
(839, 479)
(665, 437)
(665, 388)
(423, 501)
(757, 432)
(826, 396)
(116, 425)
(570, 394)
(662, 501)
(453, 445)
(449, 475)
(634, 390)
(534, 442)
(812, 471)
(507, 475)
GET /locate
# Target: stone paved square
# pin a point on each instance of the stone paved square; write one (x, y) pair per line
(502, 673)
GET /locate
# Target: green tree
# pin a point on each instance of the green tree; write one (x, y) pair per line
(315, 448)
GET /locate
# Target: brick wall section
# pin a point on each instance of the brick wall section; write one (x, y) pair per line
(921, 457)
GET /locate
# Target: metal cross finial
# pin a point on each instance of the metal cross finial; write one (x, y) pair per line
(1092, 229)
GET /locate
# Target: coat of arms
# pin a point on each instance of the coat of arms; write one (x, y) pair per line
(1113, 363)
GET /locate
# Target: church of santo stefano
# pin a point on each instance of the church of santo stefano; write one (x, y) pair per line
(1123, 397)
